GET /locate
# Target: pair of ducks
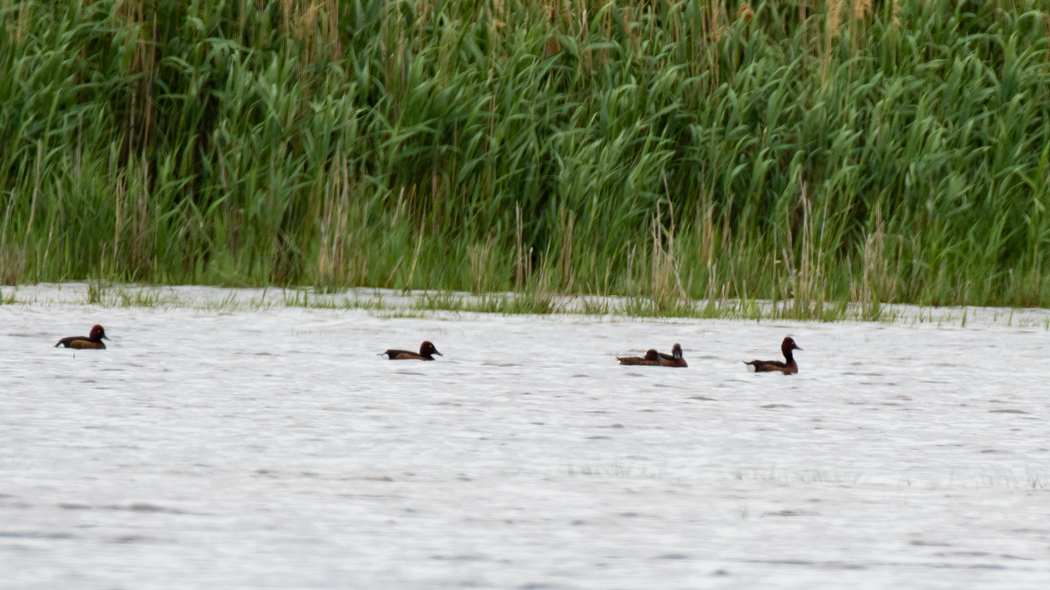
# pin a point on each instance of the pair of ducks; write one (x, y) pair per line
(653, 358)
(427, 351)
(656, 359)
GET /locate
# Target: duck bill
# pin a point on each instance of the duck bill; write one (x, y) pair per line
(438, 353)
(105, 338)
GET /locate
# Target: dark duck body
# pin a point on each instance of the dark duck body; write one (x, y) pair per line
(651, 359)
(426, 353)
(788, 368)
(656, 359)
(93, 340)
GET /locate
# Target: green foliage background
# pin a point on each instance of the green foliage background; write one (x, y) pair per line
(813, 151)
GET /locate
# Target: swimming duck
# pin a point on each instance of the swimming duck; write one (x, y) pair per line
(426, 353)
(788, 368)
(651, 358)
(94, 340)
(657, 359)
(674, 359)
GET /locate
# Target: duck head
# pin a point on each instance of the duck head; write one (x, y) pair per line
(788, 345)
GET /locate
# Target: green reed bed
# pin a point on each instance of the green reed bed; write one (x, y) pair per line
(808, 153)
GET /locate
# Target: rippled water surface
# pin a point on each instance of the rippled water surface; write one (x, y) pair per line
(275, 449)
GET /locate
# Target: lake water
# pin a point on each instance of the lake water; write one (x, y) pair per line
(275, 449)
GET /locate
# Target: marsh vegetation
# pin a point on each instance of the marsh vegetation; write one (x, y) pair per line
(814, 153)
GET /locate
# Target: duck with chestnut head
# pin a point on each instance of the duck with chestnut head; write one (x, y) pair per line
(788, 368)
(426, 353)
(92, 341)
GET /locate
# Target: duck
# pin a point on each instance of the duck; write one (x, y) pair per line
(653, 358)
(675, 359)
(426, 353)
(93, 340)
(788, 368)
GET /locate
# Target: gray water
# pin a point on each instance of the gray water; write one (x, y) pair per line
(275, 449)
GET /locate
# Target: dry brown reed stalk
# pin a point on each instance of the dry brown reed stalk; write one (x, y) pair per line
(745, 12)
(315, 24)
(629, 251)
(415, 256)
(877, 283)
(32, 206)
(809, 285)
(423, 8)
(500, 15)
(603, 53)
(331, 9)
(118, 227)
(566, 221)
(332, 217)
(665, 281)
(304, 21)
(140, 228)
(480, 259)
(47, 250)
(831, 31)
(628, 27)
(142, 64)
(286, 12)
(585, 31)
(357, 244)
(149, 61)
(802, 17)
(25, 20)
(305, 29)
(861, 9)
(715, 16)
(497, 18)
(4, 269)
(551, 46)
(705, 214)
(519, 267)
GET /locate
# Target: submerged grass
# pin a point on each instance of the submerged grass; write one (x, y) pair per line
(615, 469)
(680, 154)
(446, 304)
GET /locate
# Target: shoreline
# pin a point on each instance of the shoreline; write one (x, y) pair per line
(457, 304)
